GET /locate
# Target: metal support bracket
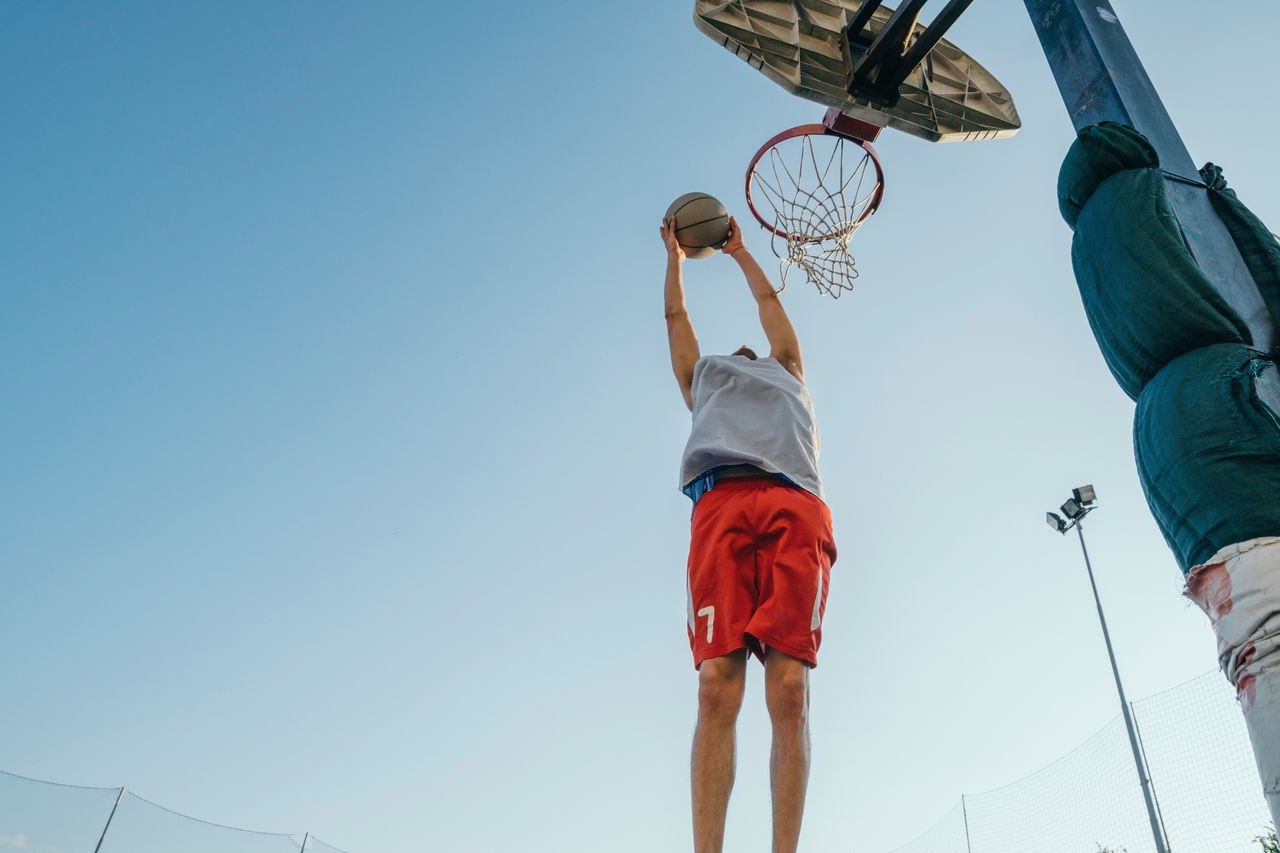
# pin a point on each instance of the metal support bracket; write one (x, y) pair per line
(878, 65)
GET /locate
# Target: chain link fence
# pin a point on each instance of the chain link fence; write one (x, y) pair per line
(1208, 795)
(1193, 736)
(46, 817)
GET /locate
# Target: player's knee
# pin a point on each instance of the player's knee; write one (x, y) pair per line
(720, 690)
(787, 695)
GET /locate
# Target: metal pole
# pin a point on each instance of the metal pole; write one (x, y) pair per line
(965, 811)
(115, 806)
(1138, 729)
(1100, 79)
(1161, 847)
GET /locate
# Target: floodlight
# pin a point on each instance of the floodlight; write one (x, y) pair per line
(1084, 495)
(1075, 509)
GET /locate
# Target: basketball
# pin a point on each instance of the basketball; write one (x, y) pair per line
(701, 224)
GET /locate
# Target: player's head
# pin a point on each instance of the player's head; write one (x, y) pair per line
(747, 351)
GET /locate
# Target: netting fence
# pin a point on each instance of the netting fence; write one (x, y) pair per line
(1208, 795)
(47, 817)
(1193, 737)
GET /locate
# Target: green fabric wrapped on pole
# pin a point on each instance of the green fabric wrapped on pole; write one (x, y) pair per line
(1207, 428)
(1098, 153)
(1207, 443)
(1258, 246)
(1145, 297)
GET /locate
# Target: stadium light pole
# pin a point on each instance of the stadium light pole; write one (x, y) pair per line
(1082, 502)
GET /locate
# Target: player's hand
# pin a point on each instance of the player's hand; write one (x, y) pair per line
(733, 242)
(668, 232)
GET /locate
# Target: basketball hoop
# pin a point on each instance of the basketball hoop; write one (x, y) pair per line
(812, 187)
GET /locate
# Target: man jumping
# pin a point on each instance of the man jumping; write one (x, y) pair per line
(760, 550)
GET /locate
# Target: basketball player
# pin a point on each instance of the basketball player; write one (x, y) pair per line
(761, 546)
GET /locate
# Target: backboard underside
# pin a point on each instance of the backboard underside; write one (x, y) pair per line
(798, 44)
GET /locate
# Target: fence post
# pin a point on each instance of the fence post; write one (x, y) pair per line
(1142, 749)
(964, 810)
(114, 806)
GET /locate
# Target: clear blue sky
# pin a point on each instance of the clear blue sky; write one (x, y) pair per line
(340, 441)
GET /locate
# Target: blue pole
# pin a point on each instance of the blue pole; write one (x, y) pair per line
(1101, 79)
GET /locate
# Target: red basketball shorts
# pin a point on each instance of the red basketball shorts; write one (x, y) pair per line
(760, 557)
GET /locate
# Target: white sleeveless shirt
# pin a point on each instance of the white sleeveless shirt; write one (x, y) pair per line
(749, 412)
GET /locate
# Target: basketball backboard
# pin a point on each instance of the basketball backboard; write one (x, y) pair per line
(905, 75)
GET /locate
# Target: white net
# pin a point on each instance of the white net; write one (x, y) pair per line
(814, 191)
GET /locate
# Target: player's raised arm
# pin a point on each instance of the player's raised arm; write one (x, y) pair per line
(783, 343)
(680, 334)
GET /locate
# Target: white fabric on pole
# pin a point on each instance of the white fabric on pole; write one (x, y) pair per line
(1239, 590)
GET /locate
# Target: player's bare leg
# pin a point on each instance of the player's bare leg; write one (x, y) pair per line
(786, 693)
(721, 683)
